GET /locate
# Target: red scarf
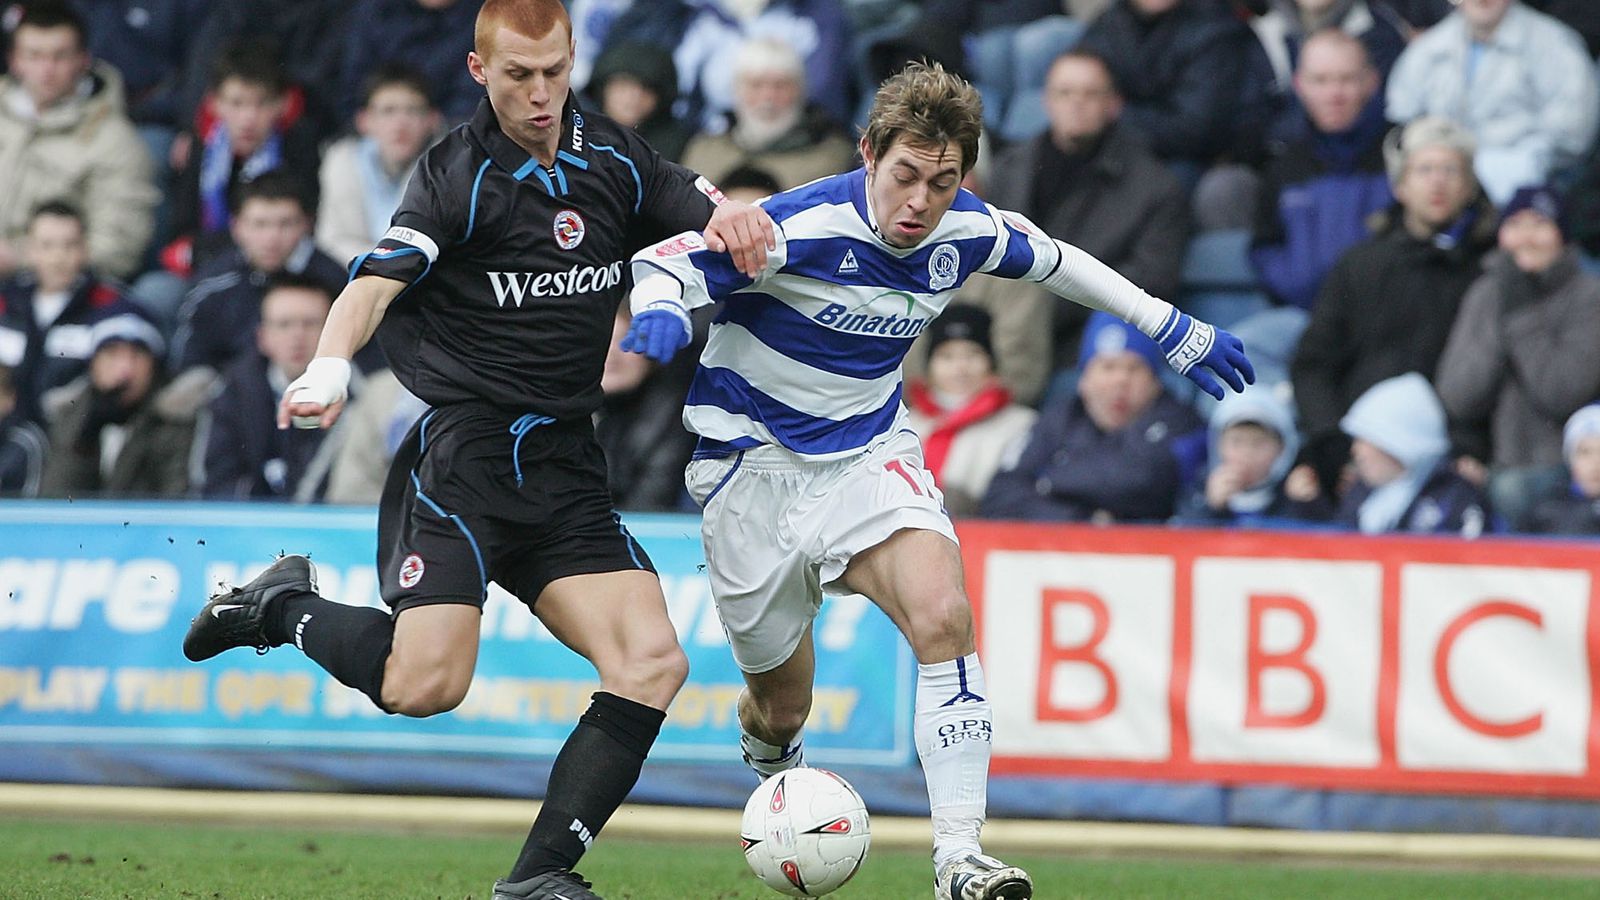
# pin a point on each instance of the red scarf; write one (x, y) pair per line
(947, 424)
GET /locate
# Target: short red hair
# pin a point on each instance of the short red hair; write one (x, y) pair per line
(530, 18)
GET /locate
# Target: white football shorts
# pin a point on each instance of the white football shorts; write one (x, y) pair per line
(780, 529)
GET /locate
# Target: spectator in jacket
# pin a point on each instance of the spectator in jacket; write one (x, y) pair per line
(1521, 358)
(306, 36)
(1120, 449)
(121, 430)
(1089, 180)
(150, 42)
(772, 126)
(639, 425)
(1179, 66)
(431, 35)
(706, 36)
(245, 455)
(1320, 189)
(64, 135)
(271, 234)
(250, 132)
(22, 444)
(1405, 480)
(363, 176)
(54, 303)
(962, 412)
(1288, 24)
(369, 433)
(1519, 80)
(1253, 447)
(1388, 304)
(635, 84)
(1577, 509)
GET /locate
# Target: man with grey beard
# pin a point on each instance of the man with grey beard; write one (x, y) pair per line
(772, 126)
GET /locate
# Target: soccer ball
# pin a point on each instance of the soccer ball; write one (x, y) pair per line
(805, 832)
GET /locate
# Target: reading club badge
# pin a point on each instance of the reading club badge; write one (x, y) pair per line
(569, 229)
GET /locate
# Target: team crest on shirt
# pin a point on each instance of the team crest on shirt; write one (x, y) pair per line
(569, 229)
(411, 571)
(943, 265)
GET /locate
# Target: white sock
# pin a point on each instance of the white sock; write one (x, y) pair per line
(769, 759)
(953, 730)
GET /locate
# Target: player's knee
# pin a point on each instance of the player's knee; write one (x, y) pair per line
(426, 695)
(785, 716)
(942, 628)
(651, 676)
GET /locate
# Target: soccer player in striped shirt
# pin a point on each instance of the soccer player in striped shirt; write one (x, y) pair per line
(808, 475)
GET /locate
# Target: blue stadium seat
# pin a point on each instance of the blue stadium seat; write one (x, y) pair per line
(1218, 284)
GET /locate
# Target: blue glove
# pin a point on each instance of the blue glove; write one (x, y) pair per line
(1192, 346)
(657, 333)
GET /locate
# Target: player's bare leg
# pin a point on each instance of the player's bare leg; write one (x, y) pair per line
(915, 577)
(431, 660)
(618, 621)
(773, 708)
(418, 663)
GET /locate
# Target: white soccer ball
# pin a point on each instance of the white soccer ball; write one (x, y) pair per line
(805, 832)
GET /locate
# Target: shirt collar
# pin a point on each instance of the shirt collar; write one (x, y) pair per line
(510, 156)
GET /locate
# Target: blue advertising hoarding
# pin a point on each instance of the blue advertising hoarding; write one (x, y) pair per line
(95, 599)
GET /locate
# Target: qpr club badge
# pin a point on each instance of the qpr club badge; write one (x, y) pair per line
(569, 229)
(942, 267)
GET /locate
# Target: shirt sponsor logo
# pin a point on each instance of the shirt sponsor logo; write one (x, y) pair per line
(710, 190)
(841, 318)
(569, 229)
(943, 266)
(685, 243)
(519, 286)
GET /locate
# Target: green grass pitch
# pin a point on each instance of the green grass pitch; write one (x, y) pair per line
(43, 858)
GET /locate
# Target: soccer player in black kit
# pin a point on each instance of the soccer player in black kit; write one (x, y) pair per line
(496, 287)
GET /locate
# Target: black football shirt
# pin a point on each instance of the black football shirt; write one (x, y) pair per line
(516, 269)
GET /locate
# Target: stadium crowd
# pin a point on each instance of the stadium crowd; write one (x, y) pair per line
(1396, 203)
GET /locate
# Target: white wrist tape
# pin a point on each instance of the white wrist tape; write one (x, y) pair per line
(326, 381)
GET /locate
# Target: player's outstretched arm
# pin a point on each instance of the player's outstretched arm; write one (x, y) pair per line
(316, 398)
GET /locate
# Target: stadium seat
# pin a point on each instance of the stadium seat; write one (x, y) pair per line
(1218, 284)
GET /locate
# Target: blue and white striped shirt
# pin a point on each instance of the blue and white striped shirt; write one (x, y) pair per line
(807, 355)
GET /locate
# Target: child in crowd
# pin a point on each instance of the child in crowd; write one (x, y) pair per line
(364, 176)
(1405, 479)
(1253, 446)
(1578, 510)
(962, 412)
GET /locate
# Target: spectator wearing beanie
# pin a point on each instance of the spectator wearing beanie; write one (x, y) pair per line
(1404, 477)
(964, 415)
(1120, 449)
(1577, 509)
(635, 84)
(1521, 358)
(1388, 304)
(121, 430)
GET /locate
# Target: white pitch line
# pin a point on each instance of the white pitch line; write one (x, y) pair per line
(1004, 835)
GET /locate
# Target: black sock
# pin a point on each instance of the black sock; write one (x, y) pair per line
(593, 773)
(351, 642)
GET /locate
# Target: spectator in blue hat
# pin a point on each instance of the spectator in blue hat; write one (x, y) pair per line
(1521, 357)
(1577, 509)
(1119, 449)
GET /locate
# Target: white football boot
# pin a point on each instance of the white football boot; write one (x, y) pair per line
(979, 877)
